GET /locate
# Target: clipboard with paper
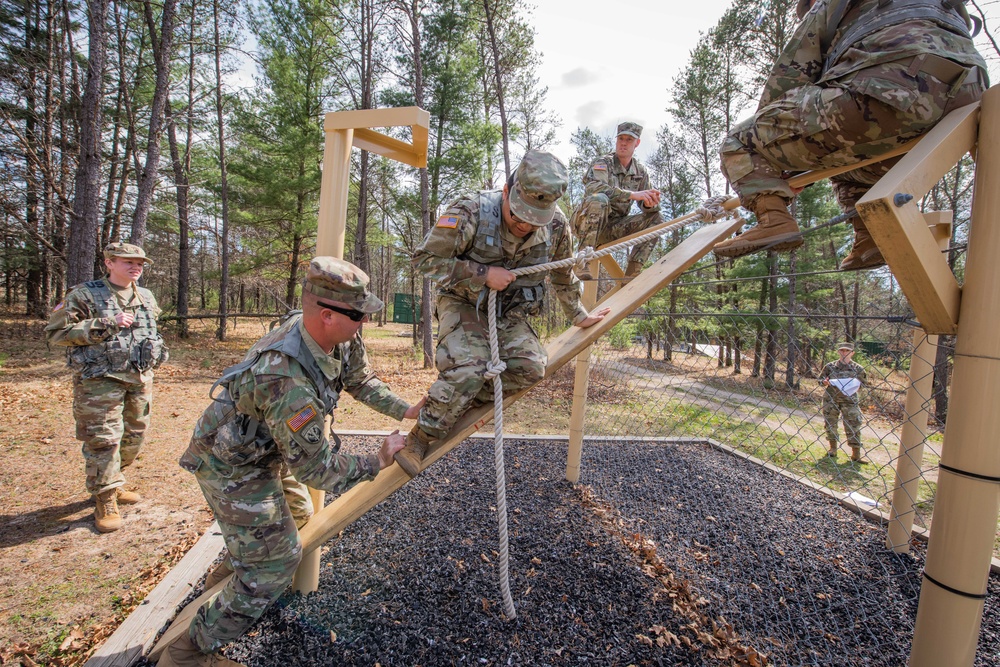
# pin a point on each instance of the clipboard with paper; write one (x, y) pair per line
(846, 386)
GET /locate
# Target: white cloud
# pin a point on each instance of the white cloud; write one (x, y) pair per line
(581, 76)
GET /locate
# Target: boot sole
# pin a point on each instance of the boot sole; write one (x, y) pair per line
(406, 466)
(781, 243)
(864, 264)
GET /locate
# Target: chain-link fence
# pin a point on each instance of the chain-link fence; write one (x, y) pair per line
(715, 387)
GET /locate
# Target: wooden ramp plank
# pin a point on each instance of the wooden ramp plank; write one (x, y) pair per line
(136, 634)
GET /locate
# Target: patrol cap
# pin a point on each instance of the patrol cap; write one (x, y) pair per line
(630, 128)
(126, 251)
(339, 280)
(846, 346)
(539, 181)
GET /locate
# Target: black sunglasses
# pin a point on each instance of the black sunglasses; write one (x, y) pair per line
(354, 315)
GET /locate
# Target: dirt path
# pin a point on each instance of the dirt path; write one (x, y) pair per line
(881, 443)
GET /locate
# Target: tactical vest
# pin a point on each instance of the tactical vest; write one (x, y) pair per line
(526, 291)
(241, 439)
(949, 14)
(137, 348)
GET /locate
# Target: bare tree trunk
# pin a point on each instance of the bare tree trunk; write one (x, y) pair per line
(82, 243)
(223, 177)
(771, 350)
(793, 343)
(495, 49)
(163, 48)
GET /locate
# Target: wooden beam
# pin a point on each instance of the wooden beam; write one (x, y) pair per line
(797, 181)
(361, 121)
(136, 633)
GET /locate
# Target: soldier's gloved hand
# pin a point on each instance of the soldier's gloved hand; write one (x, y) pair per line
(413, 411)
(392, 444)
(499, 278)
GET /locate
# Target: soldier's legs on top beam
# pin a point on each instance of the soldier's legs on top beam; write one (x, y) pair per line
(815, 127)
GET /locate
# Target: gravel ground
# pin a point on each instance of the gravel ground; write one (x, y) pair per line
(668, 554)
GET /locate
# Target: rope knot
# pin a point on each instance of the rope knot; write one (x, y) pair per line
(494, 369)
(584, 256)
(712, 209)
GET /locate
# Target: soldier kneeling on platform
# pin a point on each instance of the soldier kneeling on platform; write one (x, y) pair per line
(264, 438)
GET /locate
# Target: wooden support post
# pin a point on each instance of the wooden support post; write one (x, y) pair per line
(963, 529)
(917, 409)
(577, 418)
(332, 221)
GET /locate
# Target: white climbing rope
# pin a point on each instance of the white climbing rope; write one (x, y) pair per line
(710, 211)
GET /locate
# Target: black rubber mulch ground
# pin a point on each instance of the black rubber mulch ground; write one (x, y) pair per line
(633, 567)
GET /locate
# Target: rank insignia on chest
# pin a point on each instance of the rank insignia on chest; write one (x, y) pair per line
(600, 166)
(448, 221)
(301, 418)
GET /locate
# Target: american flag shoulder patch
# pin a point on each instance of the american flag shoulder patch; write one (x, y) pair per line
(600, 166)
(448, 221)
(59, 306)
(301, 418)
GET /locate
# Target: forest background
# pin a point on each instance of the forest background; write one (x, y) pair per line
(120, 120)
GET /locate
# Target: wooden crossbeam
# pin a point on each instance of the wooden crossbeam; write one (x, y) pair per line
(361, 121)
(889, 210)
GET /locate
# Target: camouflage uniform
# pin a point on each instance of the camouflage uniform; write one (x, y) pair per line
(111, 395)
(263, 438)
(836, 403)
(882, 91)
(469, 238)
(603, 216)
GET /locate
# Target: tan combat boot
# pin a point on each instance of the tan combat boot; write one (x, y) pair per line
(776, 230)
(127, 497)
(833, 450)
(183, 653)
(218, 573)
(864, 253)
(107, 518)
(411, 457)
(856, 456)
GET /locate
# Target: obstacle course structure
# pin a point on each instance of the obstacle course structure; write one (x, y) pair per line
(961, 542)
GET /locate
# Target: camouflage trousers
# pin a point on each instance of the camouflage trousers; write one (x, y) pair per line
(835, 406)
(860, 116)
(111, 421)
(594, 225)
(259, 521)
(463, 352)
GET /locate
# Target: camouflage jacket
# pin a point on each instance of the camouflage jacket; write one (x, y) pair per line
(85, 323)
(608, 177)
(444, 256)
(273, 411)
(802, 60)
(838, 371)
